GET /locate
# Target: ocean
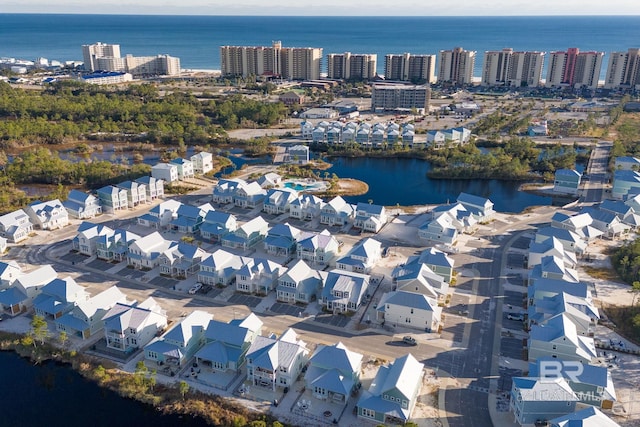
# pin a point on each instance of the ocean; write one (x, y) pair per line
(196, 39)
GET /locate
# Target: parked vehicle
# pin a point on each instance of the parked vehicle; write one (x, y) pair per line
(515, 316)
(195, 288)
(409, 340)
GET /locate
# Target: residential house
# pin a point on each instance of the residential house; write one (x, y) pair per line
(299, 284)
(370, 217)
(362, 257)
(88, 234)
(249, 196)
(607, 222)
(82, 205)
(220, 268)
(581, 224)
(625, 182)
(567, 181)
(570, 240)
(227, 343)
(58, 297)
(168, 172)
(258, 275)
(185, 168)
(337, 212)
(161, 215)
(86, 317)
(552, 267)
(592, 384)
(291, 98)
(19, 297)
(394, 392)
(181, 260)
(344, 291)
(440, 230)
(189, 218)
(306, 129)
(480, 207)
(225, 190)
(333, 373)
(144, 252)
(3, 245)
(15, 226)
(625, 211)
(559, 338)
(247, 235)
(437, 261)
(306, 207)
(298, 154)
(176, 346)
(409, 310)
(9, 272)
(276, 362)
(587, 417)
(281, 239)
(627, 163)
(128, 327)
(436, 139)
(49, 215)
(154, 187)
(217, 224)
(270, 180)
(317, 248)
(419, 278)
(459, 217)
(550, 247)
(278, 200)
(113, 199)
(547, 288)
(202, 163)
(536, 399)
(580, 311)
(136, 193)
(115, 246)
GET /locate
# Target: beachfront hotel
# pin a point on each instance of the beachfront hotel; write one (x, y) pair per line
(106, 57)
(293, 63)
(351, 66)
(574, 69)
(413, 68)
(456, 66)
(508, 68)
(623, 71)
(389, 96)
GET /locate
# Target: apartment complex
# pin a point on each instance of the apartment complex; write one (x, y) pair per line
(294, 63)
(456, 66)
(350, 66)
(106, 57)
(508, 68)
(623, 70)
(574, 68)
(400, 97)
(413, 68)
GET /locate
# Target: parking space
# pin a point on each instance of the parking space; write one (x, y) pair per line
(338, 320)
(73, 257)
(459, 305)
(99, 264)
(211, 292)
(131, 273)
(289, 309)
(248, 300)
(511, 347)
(515, 325)
(165, 282)
(515, 260)
(522, 243)
(513, 299)
(506, 377)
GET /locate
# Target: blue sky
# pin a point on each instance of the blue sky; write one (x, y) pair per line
(328, 7)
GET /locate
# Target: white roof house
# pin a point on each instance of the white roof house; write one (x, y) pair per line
(58, 297)
(587, 417)
(165, 171)
(344, 290)
(570, 240)
(480, 207)
(409, 309)
(248, 234)
(394, 391)
(550, 247)
(161, 215)
(144, 252)
(128, 327)
(220, 267)
(25, 289)
(270, 180)
(202, 162)
(185, 168)
(82, 205)
(337, 212)
(9, 272)
(15, 226)
(300, 283)
(362, 257)
(48, 215)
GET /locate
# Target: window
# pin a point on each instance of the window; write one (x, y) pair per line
(369, 413)
(554, 347)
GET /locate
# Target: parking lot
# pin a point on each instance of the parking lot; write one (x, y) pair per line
(74, 257)
(516, 260)
(513, 299)
(131, 273)
(248, 300)
(511, 347)
(522, 243)
(165, 282)
(99, 264)
(288, 309)
(338, 320)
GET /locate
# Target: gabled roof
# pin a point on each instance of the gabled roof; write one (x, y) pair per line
(408, 299)
(337, 356)
(469, 199)
(317, 241)
(588, 417)
(405, 375)
(79, 196)
(38, 277)
(253, 226)
(63, 289)
(218, 217)
(535, 389)
(227, 333)
(284, 230)
(271, 353)
(183, 332)
(371, 209)
(105, 300)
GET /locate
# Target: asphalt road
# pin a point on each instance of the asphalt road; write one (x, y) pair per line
(594, 188)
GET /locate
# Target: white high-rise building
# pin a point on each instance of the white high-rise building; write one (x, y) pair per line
(407, 67)
(92, 52)
(400, 97)
(574, 68)
(623, 71)
(456, 66)
(509, 68)
(287, 62)
(350, 66)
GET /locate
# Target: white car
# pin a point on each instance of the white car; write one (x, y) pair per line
(195, 288)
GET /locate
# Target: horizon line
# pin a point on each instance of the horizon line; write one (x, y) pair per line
(321, 16)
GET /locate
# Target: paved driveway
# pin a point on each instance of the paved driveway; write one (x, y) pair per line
(248, 300)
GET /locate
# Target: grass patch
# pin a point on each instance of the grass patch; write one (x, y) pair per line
(627, 321)
(603, 273)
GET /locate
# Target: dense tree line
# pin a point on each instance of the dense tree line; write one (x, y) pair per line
(71, 110)
(626, 261)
